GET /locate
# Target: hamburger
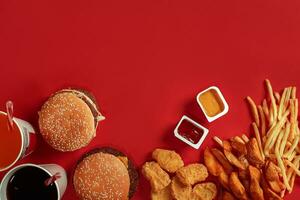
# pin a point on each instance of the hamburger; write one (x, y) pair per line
(68, 119)
(105, 174)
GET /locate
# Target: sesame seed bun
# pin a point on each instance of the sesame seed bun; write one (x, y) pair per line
(68, 120)
(103, 164)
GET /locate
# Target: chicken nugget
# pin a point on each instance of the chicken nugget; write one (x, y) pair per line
(227, 196)
(222, 159)
(158, 178)
(212, 164)
(255, 189)
(192, 173)
(164, 194)
(204, 191)
(180, 191)
(168, 160)
(237, 187)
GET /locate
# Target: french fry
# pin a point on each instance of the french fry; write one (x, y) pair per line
(293, 166)
(284, 139)
(283, 171)
(290, 171)
(296, 109)
(238, 139)
(292, 156)
(253, 110)
(278, 141)
(272, 98)
(245, 138)
(271, 117)
(277, 97)
(292, 180)
(262, 122)
(293, 176)
(273, 133)
(258, 138)
(265, 108)
(218, 141)
(287, 98)
(294, 90)
(281, 104)
(292, 148)
(292, 120)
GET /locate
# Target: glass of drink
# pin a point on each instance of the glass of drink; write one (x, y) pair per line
(30, 181)
(16, 140)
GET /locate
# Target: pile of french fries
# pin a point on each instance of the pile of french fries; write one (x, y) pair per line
(265, 165)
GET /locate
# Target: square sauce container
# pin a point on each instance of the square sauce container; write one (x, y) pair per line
(212, 103)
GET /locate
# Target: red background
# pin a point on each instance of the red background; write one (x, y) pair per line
(145, 61)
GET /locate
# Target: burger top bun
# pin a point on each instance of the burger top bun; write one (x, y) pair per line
(101, 176)
(66, 122)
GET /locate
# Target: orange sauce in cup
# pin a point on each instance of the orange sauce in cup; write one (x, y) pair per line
(211, 103)
(10, 142)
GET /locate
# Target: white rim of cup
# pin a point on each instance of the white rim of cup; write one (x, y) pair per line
(22, 144)
(9, 174)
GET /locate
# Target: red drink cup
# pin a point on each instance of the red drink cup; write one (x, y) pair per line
(16, 142)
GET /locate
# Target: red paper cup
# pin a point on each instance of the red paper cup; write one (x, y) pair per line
(28, 139)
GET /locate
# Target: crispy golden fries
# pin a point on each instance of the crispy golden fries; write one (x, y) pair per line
(253, 109)
(269, 165)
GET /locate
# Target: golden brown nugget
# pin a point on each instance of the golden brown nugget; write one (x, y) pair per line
(164, 194)
(168, 160)
(180, 191)
(191, 174)
(158, 178)
(204, 191)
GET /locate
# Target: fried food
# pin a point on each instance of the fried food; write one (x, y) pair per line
(237, 187)
(224, 180)
(258, 139)
(253, 109)
(233, 159)
(227, 145)
(239, 147)
(191, 174)
(222, 160)
(204, 191)
(244, 161)
(227, 196)
(272, 195)
(255, 189)
(158, 178)
(168, 160)
(272, 177)
(180, 191)
(164, 194)
(254, 154)
(212, 164)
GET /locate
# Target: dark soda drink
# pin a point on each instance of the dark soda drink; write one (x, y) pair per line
(29, 183)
